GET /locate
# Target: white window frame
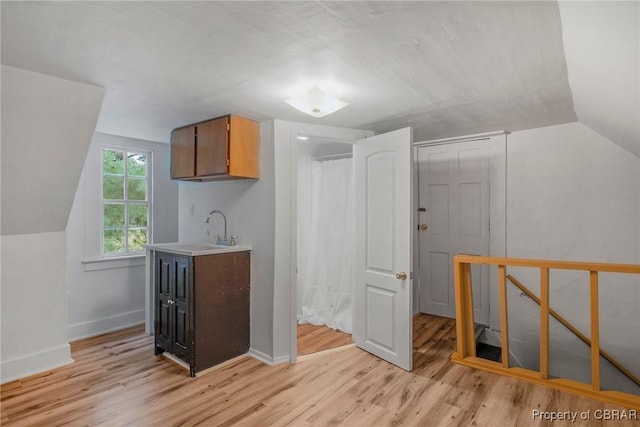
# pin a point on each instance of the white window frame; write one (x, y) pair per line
(148, 202)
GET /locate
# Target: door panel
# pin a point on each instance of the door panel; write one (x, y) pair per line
(383, 247)
(380, 230)
(163, 274)
(163, 330)
(454, 190)
(439, 273)
(182, 278)
(181, 331)
(379, 331)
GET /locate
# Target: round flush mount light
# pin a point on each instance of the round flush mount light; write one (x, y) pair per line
(316, 102)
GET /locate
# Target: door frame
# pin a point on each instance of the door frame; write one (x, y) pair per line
(285, 274)
(497, 210)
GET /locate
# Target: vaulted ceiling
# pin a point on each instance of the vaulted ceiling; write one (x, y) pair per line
(445, 68)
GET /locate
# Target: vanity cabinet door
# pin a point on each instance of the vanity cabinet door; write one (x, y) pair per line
(181, 324)
(164, 308)
(173, 288)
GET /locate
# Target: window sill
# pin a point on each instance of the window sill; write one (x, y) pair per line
(113, 262)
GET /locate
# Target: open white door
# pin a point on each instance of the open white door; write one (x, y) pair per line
(382, 318)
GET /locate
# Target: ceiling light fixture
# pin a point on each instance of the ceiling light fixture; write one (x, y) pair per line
(316, 103)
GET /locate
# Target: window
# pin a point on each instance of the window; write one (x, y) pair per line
(126, 201)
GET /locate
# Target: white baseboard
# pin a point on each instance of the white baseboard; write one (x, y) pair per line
(35, 363)
(266, 359)
(92, 328)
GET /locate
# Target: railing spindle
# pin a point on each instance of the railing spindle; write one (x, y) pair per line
(468, 298)
(504, 317)
(595, 331)
(544, 323)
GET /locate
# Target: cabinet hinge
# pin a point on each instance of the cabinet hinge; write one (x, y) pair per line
(227, 162)
(228, 126)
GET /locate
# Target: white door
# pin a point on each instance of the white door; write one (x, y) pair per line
(383, 244)
(453, 218)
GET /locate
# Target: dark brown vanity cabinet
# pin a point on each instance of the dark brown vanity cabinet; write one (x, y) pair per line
(202, 307)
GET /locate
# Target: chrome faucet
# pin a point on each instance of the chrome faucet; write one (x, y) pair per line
(225, 241)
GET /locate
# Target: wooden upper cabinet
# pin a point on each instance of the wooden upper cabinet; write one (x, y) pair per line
(223, 148)
(183, 152)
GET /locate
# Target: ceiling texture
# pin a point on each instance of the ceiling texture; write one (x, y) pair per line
(445, 68)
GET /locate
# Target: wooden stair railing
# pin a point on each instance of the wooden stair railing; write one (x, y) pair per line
(465, 353)
(620, 367)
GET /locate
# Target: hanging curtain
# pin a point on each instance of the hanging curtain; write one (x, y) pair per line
(325, 262)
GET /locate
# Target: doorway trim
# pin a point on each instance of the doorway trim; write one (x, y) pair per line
(497, 208)
(286, 233)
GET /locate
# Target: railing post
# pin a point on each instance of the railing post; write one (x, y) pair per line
(460, 318)
(466, 345)
(504, 316)
(544, 323)
(595, 331)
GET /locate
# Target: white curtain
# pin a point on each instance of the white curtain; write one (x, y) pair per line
(326, 220)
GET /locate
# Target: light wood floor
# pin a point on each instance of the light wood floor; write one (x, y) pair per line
(116, 381)
(312, 339)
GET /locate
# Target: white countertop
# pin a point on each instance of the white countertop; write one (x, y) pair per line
(196, 249)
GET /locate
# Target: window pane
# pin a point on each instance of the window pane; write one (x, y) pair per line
(112, 162)
(113, 241)
(137, 215)
(136, 164)
(137, 239)
(113, 215)
(113, 187)
(136, 189)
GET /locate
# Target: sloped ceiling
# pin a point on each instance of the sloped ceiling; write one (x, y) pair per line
(602, 45)
(445, 68)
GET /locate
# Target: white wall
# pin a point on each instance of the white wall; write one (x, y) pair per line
(47, 125)
(105, 296)
(574, 195)
(250, 209)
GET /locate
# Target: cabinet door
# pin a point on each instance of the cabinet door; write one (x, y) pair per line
(164, 315)
(183, 152)
(212, 155)
(181, 325)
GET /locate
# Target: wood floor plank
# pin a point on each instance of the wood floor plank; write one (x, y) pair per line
(313, 339)
(117, 381)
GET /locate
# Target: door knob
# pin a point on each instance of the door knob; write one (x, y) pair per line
(423, 227)
(401, 275)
